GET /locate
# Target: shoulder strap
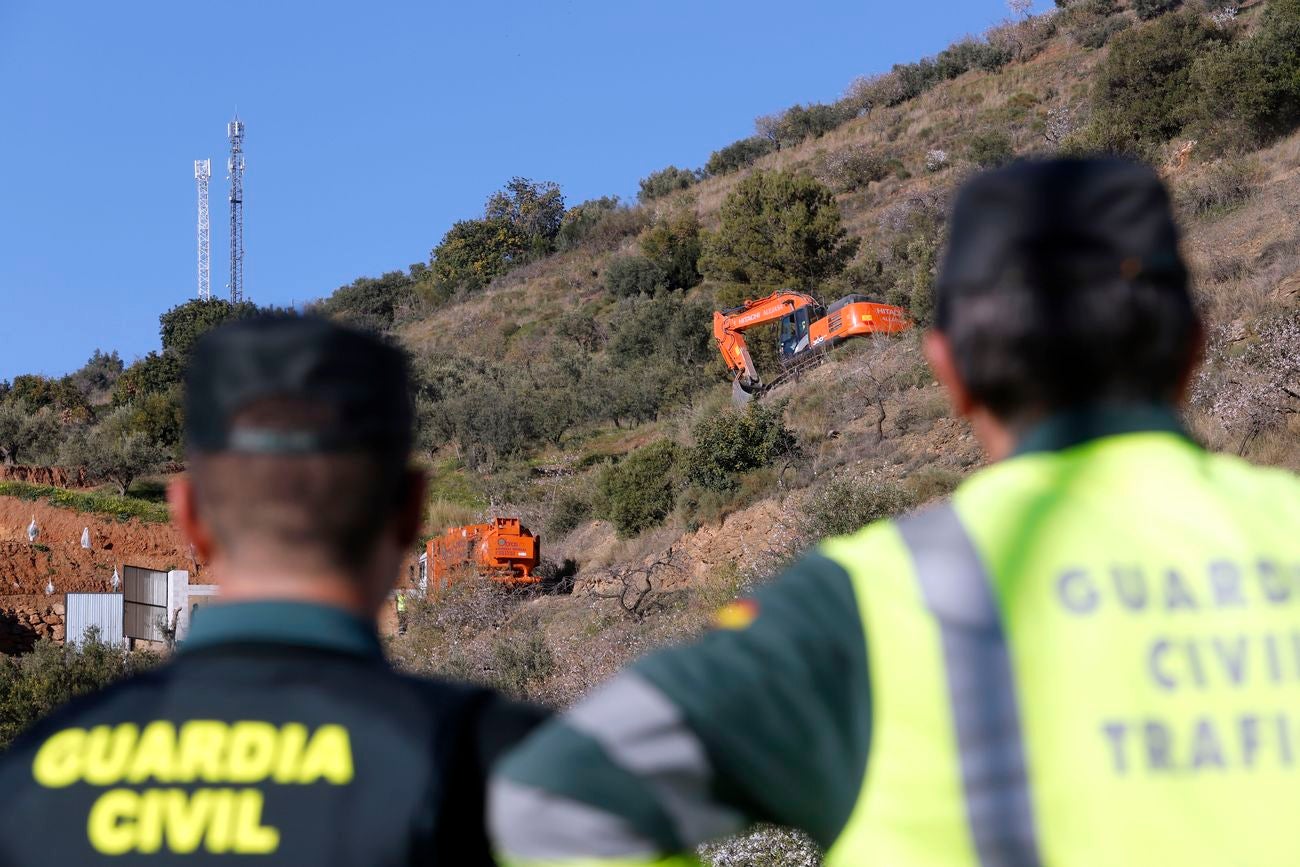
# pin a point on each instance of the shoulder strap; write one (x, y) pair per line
(981, 685)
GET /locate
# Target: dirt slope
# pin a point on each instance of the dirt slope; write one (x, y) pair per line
(58, 556)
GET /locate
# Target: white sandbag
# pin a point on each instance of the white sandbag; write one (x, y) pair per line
(49, 587)
(117, 581)
(32, 532)
(85, 538)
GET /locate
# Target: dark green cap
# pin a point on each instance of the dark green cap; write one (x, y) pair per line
(1059, 227)
(359, 383)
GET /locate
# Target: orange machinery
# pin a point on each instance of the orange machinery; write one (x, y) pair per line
(504, 550)
(807, 329)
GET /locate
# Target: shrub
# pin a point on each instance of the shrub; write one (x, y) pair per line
(799, 123)
(33, 685)
(113, 451)
(567, 513)
(581, 220)
(673, 244)
(473, 253)
(855, 168)
(521, 659)
(738, 155)
(778, 228)
(970, 54)
(1222, 187)
(1098, 34)
(638, 493)
(628, 276)
(1148, 9)
(847, 504)
(1143, 90)
(183, 325)
(990, 149)
(153, 374)
(371, 303)
(94, 380)
(735, 441)
(665, 182)
(26, 434)
(534, 208)
(1248, 93)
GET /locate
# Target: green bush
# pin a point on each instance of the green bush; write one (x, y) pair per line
(153, 374)
(534, 208)
(778, 228)
(1248, 93)
(568, 512)
(738, 155)
(1148, 9)
(1144, 90)
(1100, 33)
(665, 182)
(473, 253)
(971, 54)
(581, 220)
(184, 324)
(847, 504)
(990, 149)
(735, 441)
(371, 303)
(801, 122)
(673, 245)
(638, 493)
(629, 276)
(36, 683)
(521, 659)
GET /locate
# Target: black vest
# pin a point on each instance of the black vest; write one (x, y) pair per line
(281, 754)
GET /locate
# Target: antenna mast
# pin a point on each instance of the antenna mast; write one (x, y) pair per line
(203, 171)
(235, 130)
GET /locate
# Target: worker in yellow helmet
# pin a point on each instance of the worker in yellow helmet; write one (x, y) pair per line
(1089, 655)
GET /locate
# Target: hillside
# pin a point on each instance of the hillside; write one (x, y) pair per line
(566, 372)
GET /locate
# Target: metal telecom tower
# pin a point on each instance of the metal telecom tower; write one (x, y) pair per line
(203, 171)
(235, 129)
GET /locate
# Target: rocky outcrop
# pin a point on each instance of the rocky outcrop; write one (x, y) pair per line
(26, 619)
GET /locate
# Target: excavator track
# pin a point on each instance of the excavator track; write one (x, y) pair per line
(797, 369)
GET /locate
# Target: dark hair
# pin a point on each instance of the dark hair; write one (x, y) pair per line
(1024, 352)
(327, 505)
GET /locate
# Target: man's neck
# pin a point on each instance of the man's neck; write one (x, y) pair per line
(250, 583)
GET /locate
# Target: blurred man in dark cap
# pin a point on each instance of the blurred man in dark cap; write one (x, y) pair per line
(1086, 656)
(278, 731)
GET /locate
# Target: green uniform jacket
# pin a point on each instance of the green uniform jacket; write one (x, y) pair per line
(278, 735)
(1090, 655)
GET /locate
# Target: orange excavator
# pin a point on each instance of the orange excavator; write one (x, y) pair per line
(504, 551)
(807, 331)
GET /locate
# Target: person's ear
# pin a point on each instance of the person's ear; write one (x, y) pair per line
(938, 352)
(185, 515)
(410, 511)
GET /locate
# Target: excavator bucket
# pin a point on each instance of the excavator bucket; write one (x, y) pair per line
(739, 394)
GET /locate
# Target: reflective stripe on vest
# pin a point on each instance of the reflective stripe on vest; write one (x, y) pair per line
(981, 686)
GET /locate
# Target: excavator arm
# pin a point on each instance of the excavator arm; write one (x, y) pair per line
(729, 327)
(806, 328)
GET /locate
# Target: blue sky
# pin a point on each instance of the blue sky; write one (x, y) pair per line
(371, 127)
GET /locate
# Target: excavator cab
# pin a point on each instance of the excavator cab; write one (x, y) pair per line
(794, 331)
